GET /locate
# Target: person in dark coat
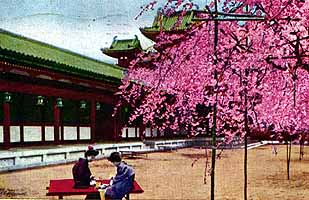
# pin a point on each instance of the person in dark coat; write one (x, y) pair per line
(122, 183)
(81, 172)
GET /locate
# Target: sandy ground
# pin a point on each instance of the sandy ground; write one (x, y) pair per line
(170, 175)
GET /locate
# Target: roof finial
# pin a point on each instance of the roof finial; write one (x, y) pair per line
(115, 37)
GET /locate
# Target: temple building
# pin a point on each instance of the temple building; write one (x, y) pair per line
(51, 95)
(124, 50)
(171, 24)
(54, 96)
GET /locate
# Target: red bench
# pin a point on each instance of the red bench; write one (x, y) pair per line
(64, 187)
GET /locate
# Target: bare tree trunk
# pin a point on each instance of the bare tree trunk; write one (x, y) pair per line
(301, 150)
(246, 148)
(288, 157)
(246, 167)
(213, 157)
(246, 137)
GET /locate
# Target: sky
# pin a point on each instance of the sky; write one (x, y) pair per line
(81, 26)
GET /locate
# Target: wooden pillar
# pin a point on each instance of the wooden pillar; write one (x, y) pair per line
(142, 131)
(135, 131)
(151, 132)
(6, 125)
(114, 128)
(78, 122)
(115, 122)
(121, 119)
(92, 120)
(21, 121)
(119, 125)
(42, 119)
(56, 122)
(22, 135)
(78, 132)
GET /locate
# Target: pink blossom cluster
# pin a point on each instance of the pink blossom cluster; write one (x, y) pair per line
(262, 69)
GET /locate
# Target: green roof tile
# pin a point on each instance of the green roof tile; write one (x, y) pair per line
(62, 59)
(169, 22)
(125, 44)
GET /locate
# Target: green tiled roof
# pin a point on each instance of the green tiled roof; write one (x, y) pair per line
(124, 45)
(169, 22)
(26, 50)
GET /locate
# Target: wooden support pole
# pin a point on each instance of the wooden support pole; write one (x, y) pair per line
(6, 125)
(92, 120)
(115, 128)
(56, 123)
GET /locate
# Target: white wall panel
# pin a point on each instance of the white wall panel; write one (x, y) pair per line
(1, 134)
(148, 132)
(70, 133)
(84, 133)
(131, 131)
(14, 133)
(32, 133)
(49, 133)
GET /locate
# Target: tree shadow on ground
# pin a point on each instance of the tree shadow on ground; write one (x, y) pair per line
(8, 193)
(203, 155)
(195, 155)
(135, 158)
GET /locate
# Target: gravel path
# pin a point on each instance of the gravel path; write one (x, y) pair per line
(170, 175)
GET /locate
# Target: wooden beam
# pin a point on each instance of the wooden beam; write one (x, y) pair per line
(11, 86)
(35, 72)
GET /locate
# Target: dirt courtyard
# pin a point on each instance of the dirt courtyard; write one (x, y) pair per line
(170, 175)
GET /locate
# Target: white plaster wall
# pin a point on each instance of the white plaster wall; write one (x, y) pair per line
(70, 133)
(1, 134)
(14, 134)
(55, 157)
(49, 133)
(148, 132)
(6, 162)
(154, 132)
(84, 133)
(31, 159)
(76, 155)
(32, 133)
(131, 133)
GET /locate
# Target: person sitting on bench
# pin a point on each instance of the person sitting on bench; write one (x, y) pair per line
(122, 183)
(81, 172)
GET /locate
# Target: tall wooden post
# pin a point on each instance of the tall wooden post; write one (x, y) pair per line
(151, 132)
(135, 131)
(42, 120)
(92, 120)
(78, 122)
(142, 131)
(56, 122)
(6, 125)
(115, 128)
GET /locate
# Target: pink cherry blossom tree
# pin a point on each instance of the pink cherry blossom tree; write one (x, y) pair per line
(243, 74)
